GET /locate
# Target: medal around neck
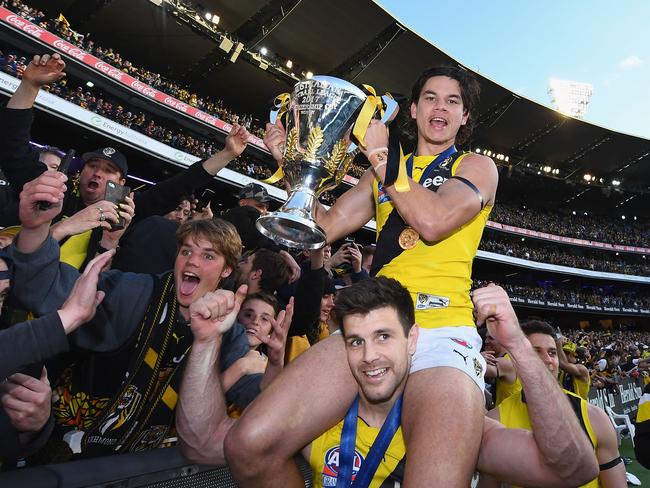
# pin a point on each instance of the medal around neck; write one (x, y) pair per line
(408, 238)
(320, 116)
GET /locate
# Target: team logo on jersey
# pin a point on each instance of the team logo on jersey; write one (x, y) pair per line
(478, 367)
(446, 162)
(331, 465)
(382, 196)
(462, 343)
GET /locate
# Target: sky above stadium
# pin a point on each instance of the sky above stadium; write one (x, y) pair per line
(523, 44)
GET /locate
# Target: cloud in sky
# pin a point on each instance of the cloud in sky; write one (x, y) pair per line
(630, 62)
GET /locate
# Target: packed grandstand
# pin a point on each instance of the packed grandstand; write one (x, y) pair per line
(568, 250)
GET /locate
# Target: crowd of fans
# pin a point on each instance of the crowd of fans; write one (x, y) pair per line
(610, 355)
(580, 225)
(539, 251)
(208, 104)
(74, 91)
(586, 295)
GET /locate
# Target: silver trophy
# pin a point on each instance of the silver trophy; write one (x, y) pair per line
(322, 112)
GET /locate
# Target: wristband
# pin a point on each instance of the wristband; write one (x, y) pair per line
(375, 151)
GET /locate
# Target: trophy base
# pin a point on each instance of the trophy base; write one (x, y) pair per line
(291, 230)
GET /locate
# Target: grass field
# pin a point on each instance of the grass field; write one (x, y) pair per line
(635, 468)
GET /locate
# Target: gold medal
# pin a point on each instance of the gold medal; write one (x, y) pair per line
(408, 238)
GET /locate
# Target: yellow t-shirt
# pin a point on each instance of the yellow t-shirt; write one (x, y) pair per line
(75, 249)
(505, 389)
(513, 413)
(324, 457)
(643, 413)
(437, 274)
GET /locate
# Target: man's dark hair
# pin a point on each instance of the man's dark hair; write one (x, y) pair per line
(537, 327)
(51, 150)
(469, 92)
(275, 271)
(372, 294)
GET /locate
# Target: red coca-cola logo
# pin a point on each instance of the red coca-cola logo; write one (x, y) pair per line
(69, 49)
(17, 21)
(209, 119)
(144, 89)
(108, 70)
(172, 102)
(24, 25)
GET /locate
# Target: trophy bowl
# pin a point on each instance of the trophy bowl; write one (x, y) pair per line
(317, 155)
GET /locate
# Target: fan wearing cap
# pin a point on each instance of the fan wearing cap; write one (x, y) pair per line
(254, 195)
(573, 376)
(253, 201)
(21, 165)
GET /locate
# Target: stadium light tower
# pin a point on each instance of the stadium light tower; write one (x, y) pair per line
(570, 97)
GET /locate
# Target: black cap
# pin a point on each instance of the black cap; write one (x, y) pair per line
(109, 154)
(254, 191)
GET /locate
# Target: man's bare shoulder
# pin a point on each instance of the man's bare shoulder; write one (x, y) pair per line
(477, 161)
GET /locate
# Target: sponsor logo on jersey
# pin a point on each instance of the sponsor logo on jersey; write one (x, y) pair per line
(462, 343)
(435, 181)
(382, 196)
(425, 301)
(331, 465)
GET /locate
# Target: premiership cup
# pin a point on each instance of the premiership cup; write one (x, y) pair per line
(322, 113)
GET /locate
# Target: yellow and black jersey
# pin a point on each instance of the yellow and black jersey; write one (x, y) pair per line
(505, 389)
(574, 385)
(513, 413)
(642, 436)
(325, 451)
(437, 274)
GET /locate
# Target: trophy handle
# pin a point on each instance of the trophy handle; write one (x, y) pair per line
(390, 112)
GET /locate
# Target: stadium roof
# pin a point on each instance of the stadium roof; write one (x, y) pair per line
(363, 43)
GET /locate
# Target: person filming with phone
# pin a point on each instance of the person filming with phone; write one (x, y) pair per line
(345, 264)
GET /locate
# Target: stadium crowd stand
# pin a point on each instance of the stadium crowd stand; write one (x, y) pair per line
(566, 255)
(61, 27)
(582, 225)
(603, 296)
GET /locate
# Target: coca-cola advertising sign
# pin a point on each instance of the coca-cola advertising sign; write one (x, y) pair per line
(144, 89)
(108, 70)
(24, 25)
(177, 104)
(69, 49)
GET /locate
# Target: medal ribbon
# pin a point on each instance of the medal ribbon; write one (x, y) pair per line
(348, 441)
(433, 165)
(371, 106)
